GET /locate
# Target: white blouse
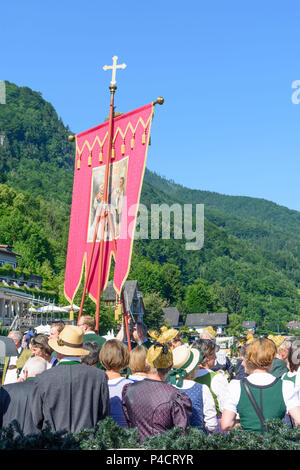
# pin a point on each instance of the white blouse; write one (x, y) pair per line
(290, 396)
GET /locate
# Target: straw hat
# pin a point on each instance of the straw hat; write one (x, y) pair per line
(69, 342)
(278, 340)
(250, 338)
(185, 360)
(210, 330)
(163, 336)
(160, 357)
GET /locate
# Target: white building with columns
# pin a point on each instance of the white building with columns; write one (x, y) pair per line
(13, 303)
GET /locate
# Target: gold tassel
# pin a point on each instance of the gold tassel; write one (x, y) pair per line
(78, 164)
(101, 156)
(132, 143)
(118, 312)
(144, 138)
(123, 148)
(113, 153)
(90, 159)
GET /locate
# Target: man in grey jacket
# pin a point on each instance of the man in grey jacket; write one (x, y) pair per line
(16, 398)
(71, 396)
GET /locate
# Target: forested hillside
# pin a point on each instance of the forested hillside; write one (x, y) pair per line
(249, 264)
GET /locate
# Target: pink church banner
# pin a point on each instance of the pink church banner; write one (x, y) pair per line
(130, 142)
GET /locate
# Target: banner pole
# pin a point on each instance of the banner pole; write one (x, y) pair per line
(122, 291)
(88, 269)
(126, 320)
(105, 197)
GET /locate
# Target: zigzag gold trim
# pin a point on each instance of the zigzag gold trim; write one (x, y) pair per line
(130, 126)
(90, 147)
(118, 131)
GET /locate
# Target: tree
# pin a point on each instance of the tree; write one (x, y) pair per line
(172, 288)
(232, 299)
(154, 305)
(199, 298)
(235, 324)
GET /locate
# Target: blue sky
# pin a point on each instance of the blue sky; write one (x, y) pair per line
(225, 69)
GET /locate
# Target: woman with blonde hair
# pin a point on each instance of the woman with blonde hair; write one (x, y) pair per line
(138, 363)
(259, 396)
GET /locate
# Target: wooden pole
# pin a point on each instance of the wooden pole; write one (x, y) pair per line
(88, 269)
(105, 198)
(126, 320)
(122, 292)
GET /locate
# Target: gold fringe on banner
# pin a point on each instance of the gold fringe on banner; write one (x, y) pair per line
(144, 137)
(90, 158)
(132, 142)
(79, 161)
(129, 127)
(118, 312)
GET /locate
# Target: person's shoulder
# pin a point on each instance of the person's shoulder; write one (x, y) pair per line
(279, 363)
(94, 337)
(92, 372)
(19, 386)
(234, 385)
(129, 384)
(47, 374)
(8, 388)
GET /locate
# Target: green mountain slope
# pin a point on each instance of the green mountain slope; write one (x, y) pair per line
(36, 156)
(250, 261)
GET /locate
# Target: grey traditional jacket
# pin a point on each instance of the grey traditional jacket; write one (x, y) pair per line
(71, 397)
(16, 404)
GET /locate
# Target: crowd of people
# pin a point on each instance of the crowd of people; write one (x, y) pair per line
(73, 378)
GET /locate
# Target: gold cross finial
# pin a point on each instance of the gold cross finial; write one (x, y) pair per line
(114, 68)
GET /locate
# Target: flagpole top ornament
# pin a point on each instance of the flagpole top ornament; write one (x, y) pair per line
(114, 68)
(160, 100)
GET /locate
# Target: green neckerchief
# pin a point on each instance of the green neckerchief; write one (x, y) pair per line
(68, 363)
(29, 378)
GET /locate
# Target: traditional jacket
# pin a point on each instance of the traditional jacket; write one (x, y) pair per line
(93, 337)
(70, 396)
(16, 404)
(279, 367)
(154, 407)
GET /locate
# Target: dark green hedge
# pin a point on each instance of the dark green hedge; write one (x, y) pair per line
(110, 436)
